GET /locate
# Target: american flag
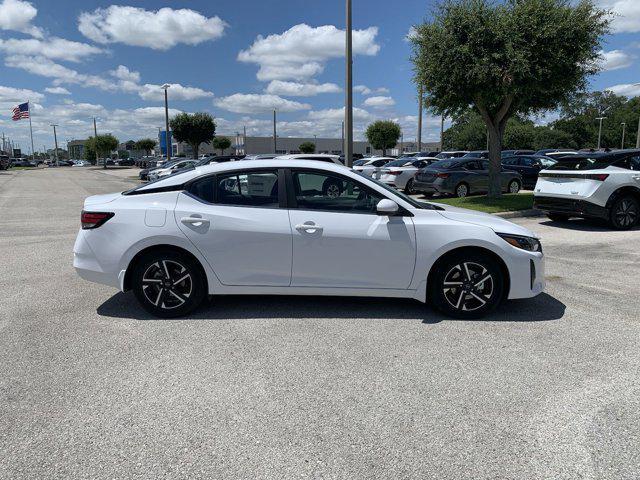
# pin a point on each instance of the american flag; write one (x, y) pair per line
(20, 111)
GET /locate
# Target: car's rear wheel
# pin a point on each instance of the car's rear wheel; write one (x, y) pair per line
(514, 186)
(624, 213)
(462, 190)
(408, 188)
(557, 217)
(168, 284)
(332, 189)
(467, 285)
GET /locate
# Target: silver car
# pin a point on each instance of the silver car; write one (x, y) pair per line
(372, 165)
(400, 173)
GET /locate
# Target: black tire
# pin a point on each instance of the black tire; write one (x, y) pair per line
(480, 289)
(514, 186)
(557, 217)
(624, 212)
(332, 188)
(169, 296)
(462, 190)
(408, 188)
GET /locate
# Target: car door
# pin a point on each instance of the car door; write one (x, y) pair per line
(239, 223)
(341, 241)
(472, 177)
(530, 169)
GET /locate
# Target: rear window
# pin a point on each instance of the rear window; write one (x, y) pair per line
(445, 164)
(399, 163)
(583, 163)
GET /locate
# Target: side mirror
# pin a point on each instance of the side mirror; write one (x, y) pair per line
(387, 207)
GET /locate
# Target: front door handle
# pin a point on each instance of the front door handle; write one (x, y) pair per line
(309, 228)
(195, 221)
(636, 177)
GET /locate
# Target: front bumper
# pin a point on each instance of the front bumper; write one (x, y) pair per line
(570, 206)
(527, 274)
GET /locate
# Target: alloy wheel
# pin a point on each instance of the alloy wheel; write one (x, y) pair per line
(333, 191)
(409, 187)
(167, 284)
(627, 213)
(514, 187)
(468, 286)
(462, 190)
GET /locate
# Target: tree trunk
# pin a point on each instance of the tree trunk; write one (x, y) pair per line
(196, 149)
(495, 160)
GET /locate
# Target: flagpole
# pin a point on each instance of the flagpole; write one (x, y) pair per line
(33, 151)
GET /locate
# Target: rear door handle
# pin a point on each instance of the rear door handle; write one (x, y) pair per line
(309, 228)
(195, 221)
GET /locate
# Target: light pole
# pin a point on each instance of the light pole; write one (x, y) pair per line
(600, 130)
(348, 110)
(55, 139)
(275, 134)
(624, 127)
(638, 135)
(167, 136)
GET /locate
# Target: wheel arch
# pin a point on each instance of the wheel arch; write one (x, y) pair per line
(627, 189)
(506, 277)
(126, 284)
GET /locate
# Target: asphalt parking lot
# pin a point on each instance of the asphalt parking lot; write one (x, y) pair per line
(277, 387)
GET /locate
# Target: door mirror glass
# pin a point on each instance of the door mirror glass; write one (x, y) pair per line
(387, 207)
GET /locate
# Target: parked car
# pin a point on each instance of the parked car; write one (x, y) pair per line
(372, 165)
(354, 157)
(81, 163)
(261, 156)
(476, 154)
(512, 153)
(400, 173)
(172, 168)
(556, 152)
(144, 173)
(22, 162)
(528, 166)
(451, 154)
(462, 177)
(254, 228)
(125, 162)
(319, 157)
(4, 162)
(219, 159)
(598, 185)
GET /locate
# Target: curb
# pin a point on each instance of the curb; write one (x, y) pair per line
(532, 212)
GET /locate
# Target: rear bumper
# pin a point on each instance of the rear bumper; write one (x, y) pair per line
(570, 206)
(429, 187)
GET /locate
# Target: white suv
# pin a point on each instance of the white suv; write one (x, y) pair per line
(595, 185)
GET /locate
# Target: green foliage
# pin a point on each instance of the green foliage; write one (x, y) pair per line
(105, 144)
(221, 143)
(506, 58)
(124, 154)
(146, 144)
(307, 147)
(90, 150)
(383, 134)
(193, 129)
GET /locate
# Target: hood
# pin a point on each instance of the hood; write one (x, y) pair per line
(101, 199)
(497, 224)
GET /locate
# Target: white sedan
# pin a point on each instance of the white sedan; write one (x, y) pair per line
(263, 228)
(171, 169)
(400, 173)
(371, 166)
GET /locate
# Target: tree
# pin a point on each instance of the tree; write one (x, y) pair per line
(507, 58)
(221, 143)
(104, 145)
(307, 147)
(146, 144)
(193, 129)
(89, 151)
(383, 134)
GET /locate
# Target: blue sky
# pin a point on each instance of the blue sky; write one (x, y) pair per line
(235, 59)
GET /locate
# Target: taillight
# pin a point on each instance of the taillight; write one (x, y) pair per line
(601, 177)
(442, 175)
(394, 172)
(90, 220)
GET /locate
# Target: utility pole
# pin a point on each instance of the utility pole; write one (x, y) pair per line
(638, 136)
(95, 138)
(167, 137)
(348, 111)
(55, 139)
(342, 148)
(420, 108)
(600, 130)
(244, 140)
(624, 127)
(275, 136)
(442, 133)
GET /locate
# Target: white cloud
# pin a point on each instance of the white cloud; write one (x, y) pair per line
(17, 15)
(10, 96)
(615, 59)
(57, 91)
(152, 92)
(256, 103)
(364, 90)
(302, 51)
(294, 89)
(379, 102)
(53, 48)
(160, 29)
(626, 89)
(123, 73)
(626, 15)
(337, 114)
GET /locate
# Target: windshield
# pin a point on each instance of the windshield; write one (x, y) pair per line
(359, 163)
(412, 201)
(445, 164)
(583, 163)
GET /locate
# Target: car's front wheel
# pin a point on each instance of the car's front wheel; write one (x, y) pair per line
(408, 188)
(168, 284)
(466, 285)
(624, 213)
(514, 186)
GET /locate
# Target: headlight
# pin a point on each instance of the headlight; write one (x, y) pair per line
(529, 244)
